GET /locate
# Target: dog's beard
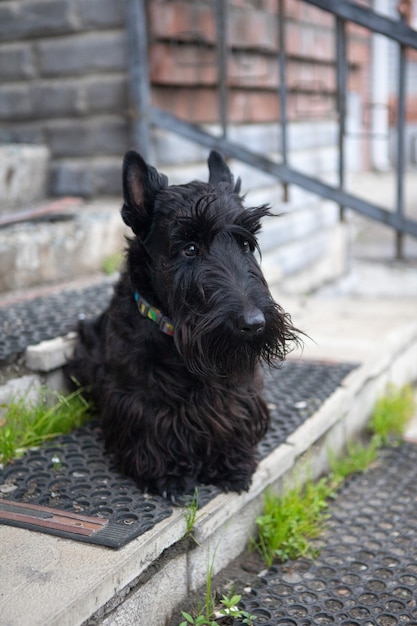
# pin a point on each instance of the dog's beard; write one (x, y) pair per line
(214, 349)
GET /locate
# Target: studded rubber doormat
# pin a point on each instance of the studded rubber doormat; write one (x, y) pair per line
(70, 487)
(27, 323)
(366, 572)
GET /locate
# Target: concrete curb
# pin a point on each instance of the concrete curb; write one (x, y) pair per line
(49, 355)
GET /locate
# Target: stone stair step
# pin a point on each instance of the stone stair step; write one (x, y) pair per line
(23, 175)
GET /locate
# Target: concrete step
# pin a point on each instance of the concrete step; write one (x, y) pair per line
(60, 240)
(143, 582)
(69, 238)
(23, 175)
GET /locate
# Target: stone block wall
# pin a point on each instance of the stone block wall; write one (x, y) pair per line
(63, 84)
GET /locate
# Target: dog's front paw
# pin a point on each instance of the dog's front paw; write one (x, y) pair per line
(177, 489)
(237, 485)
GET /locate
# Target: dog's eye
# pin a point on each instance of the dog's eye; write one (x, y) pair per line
(246, 246)
(191, 250)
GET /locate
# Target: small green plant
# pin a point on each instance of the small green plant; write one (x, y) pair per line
(112, 263)
(24, 425)
(392, 412)
(291, 521)
(191, 510)
(200, 620)
(205, 612)
(230, 609)
(357, 460)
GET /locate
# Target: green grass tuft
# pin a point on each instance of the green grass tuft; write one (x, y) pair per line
(112, 263)
(392, 412)
(26, 425)
(357, 460)
(191, 515)
(291, 521)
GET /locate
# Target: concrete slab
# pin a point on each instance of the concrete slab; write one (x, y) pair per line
(45, 580)
(23, 175)
(349, 329)
(36, 253)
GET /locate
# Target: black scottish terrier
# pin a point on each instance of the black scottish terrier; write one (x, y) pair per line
(173, 363)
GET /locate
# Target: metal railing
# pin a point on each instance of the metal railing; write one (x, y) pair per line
(344, 11)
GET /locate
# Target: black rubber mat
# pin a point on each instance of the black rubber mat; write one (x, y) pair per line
(366, 573)
(73, 474)
(27, 323)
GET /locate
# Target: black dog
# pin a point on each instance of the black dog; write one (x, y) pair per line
(173, 363)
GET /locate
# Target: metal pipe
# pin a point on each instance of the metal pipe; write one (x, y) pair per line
(380, 88)
(341, 79)
(140, 92)
(400, 148)
(221, 29)
(283, 90)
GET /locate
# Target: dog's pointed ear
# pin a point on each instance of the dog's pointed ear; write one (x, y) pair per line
(219, 170)
(141, 183)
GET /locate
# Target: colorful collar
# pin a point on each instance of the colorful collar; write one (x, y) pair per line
(154, 314)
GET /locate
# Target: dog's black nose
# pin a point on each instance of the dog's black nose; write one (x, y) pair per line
(251, 322)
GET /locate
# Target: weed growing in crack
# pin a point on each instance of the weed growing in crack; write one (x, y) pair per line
(207, 614)
(290, 522)
(392, 412)
(357, 460)
(191, 511)
(231, 609)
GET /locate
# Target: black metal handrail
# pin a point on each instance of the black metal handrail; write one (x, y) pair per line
(344, 11)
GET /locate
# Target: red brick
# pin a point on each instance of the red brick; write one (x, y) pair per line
(253, 29)
(252, 70)
(310, 41)
(192, 105)
(303, 106)
(202, 105)
(179, 20)
(412, 55)
(410, 112)
(171, 64)
(311, 76)
(359, 52)
(271, 6)
(294, 9)
(300, 11)
(314, 15)
(355, 81)
(293, 38)
(193, 66)
(253, 106)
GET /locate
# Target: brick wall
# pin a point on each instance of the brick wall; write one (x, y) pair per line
(183, 60)
(63, 75)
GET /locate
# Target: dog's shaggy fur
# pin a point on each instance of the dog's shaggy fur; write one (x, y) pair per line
(182, 409)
